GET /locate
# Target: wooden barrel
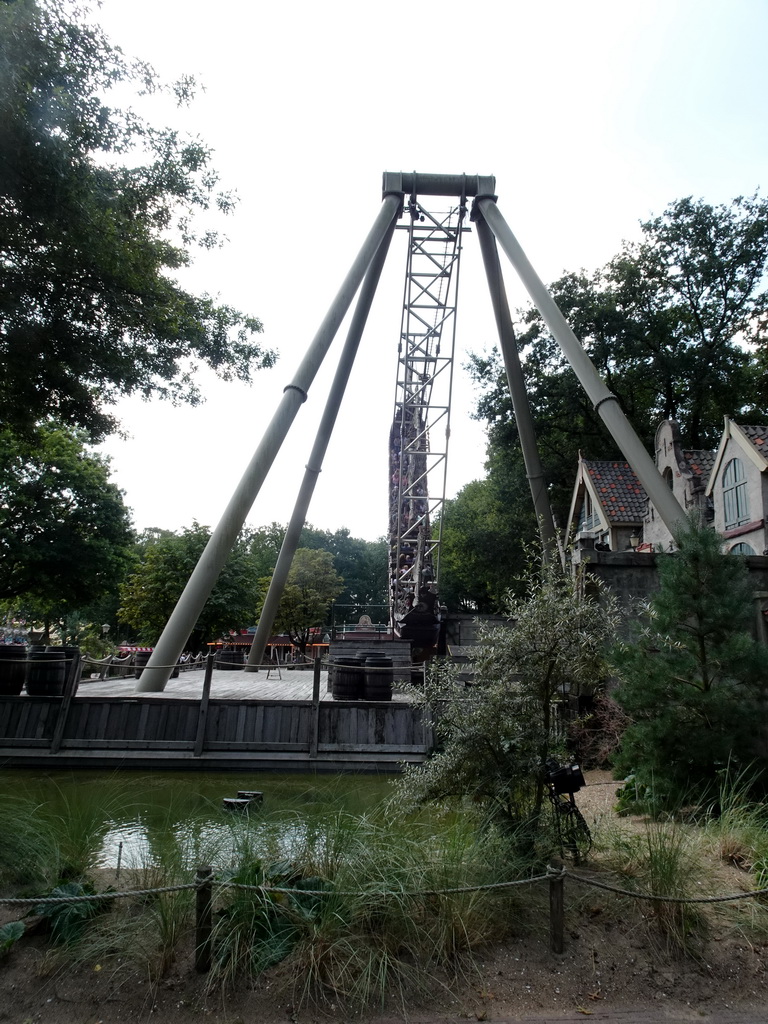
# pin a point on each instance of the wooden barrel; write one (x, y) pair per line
(140, 662)
(347, 679)
(13, 668)
(46, 673)
(379, 676)
(231, 659)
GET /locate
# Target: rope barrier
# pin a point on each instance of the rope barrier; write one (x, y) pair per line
(666, 899)
(551, 873)
(94, 897)
(402, 893)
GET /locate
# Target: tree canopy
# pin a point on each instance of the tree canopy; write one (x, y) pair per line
(65, 532)
(676, 326)
(96, 215)
(311, 586)
(151, 591)
(361, 563)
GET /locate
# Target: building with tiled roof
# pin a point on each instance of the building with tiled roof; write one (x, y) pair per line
(608, 503)
(686, 473)
(610, 507)
(701, 463)
(738, 488)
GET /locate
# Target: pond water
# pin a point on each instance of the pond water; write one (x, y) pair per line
(138, 818)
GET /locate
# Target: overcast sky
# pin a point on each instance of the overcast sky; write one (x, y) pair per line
(592, 116)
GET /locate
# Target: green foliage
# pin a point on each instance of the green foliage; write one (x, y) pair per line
(9, 935)
(664, 324)
(738, 824)
(96, 209)
(496, 734)
(29, 853)
(664, 860)
(362, 564)
(64, 530)
(68, 921)
(258, 928)
(375, 927)
(150, 593)
(693, 680)
(481, 549)
(164, 561)
(311, 586)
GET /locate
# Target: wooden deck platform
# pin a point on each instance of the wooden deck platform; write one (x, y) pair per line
(270, 720)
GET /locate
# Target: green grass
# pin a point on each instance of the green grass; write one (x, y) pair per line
(379, 930)
(378, 915)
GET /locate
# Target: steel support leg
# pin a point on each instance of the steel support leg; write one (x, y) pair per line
(315, 464)
(520, 405)
(605, 403)
(206, 572)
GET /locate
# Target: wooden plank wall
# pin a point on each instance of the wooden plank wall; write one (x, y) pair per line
(144, 723)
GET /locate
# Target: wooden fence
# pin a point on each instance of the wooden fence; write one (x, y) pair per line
(323, 735)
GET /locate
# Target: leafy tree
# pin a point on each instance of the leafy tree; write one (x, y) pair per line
(311, 586)
(361, 563)
(665, 324)
(693, 680)
(150, 593)
(481, 558)
(496, 735)
(96, 211)
(65, 533)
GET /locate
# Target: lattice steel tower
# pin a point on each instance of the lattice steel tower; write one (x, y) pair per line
(418, 444)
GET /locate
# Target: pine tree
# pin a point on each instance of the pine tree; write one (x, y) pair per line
(693, 680)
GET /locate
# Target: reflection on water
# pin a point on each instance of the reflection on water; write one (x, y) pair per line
(179, 816)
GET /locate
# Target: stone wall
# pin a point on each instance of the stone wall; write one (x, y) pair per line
(633, 578)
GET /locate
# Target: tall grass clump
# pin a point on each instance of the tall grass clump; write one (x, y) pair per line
(736, 825)
(154, 925)
(664, 860)
(364, 917)
(29, 851)
(58, 839)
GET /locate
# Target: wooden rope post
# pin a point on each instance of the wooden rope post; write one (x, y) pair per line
(315, 728)
(556, 910)
(204, 919)
(202, 716)
(70, 686)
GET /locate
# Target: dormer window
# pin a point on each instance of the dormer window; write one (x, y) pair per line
(735, 502)
(590, 517)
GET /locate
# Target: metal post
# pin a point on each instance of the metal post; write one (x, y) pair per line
(315, 463)
(204, 919)
(206, 572)
(522, 410)
(605, 403)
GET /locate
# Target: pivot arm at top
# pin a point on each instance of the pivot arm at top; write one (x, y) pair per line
(461, 185)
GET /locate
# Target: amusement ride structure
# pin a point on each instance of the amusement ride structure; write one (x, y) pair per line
(418, 442)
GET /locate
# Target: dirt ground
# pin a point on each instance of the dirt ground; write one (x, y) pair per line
(613, 969)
